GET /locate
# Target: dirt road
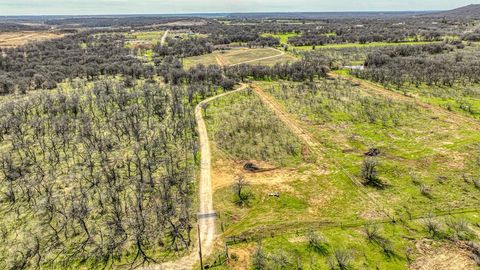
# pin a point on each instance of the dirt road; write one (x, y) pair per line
(313, 143)
(206, 215)
(291, 123)
(164, 37)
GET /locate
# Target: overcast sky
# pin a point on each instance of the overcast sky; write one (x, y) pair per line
(90, 7)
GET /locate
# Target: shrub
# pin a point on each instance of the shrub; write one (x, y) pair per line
(259, 259)
(281, 261)
(461, 229)
(234, 256)
(341, 259)
(372, 232)
(242, 196)
(317, 242)
(476, 183)
(369, 172)
(433, 227)
(425, 191)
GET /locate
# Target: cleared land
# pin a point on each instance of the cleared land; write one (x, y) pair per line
(14, 39)
(151, 37)
(420, 149)
(266, 56)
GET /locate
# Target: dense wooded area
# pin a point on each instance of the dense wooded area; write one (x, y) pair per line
(102, 175)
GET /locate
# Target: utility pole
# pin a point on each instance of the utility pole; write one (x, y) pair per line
(200, 246)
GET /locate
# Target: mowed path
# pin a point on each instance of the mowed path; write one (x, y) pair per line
(206, 215)
(313, 143)
(291, 123)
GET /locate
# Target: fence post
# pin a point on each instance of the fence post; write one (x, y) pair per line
(200, 247)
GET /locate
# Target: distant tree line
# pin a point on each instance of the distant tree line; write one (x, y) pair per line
(15, 27)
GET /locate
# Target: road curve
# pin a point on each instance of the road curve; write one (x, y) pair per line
(206, 214)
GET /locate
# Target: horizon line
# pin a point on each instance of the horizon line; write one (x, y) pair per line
(218, 13)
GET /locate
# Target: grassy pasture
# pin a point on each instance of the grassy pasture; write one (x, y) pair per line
(295, 250)
(417, 148)
(308, 195)
(282, 37)
(244, 55)
(15, 39)
(151, 37)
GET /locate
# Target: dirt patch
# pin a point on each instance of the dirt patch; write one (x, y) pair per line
(221, 61)
(243, 257)
(14, 39)
(224, 173)
(442, 257)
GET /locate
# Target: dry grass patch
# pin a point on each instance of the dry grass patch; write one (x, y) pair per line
(442, 257)
(15, 39)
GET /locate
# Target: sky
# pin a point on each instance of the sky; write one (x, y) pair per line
(99, 7)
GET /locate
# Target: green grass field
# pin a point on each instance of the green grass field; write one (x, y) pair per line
(416, 144)
(428, 163)
(260, 136)
(282, 37)
(146, 36)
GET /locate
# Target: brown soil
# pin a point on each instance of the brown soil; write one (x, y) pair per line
(243, 253)
(225, 171)
(221, 61)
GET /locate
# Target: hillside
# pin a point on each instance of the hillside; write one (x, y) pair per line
(466, 11)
